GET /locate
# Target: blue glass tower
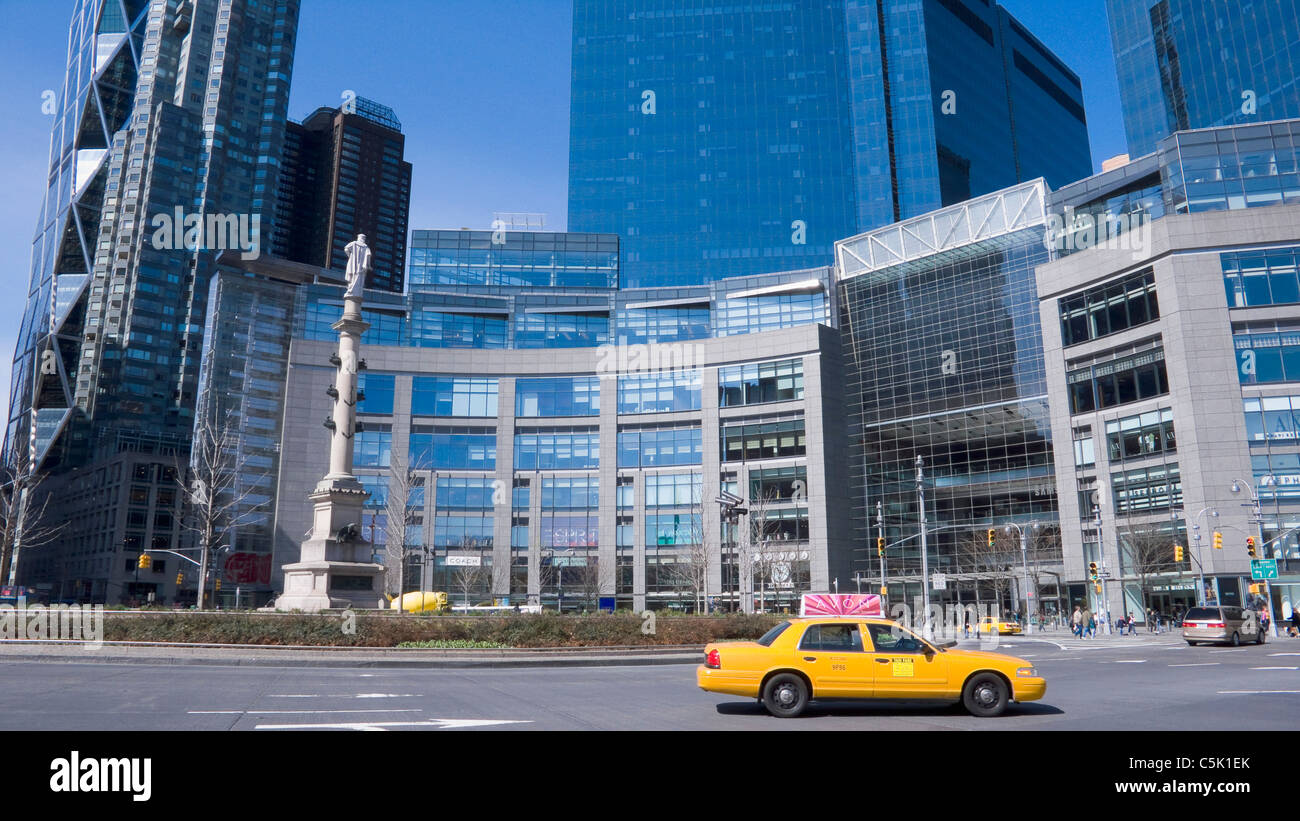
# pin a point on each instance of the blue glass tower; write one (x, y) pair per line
(1187, 64)
(721, 141)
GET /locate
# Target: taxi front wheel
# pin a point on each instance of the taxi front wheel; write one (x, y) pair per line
(785, 695)
(985, 695)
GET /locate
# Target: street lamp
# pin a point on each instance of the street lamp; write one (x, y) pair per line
(1258, 518)
(1200, 563)
(1024, 564)
(1101, 555)
(925, 563)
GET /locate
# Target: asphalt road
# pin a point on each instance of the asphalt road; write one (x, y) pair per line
(1162, 685)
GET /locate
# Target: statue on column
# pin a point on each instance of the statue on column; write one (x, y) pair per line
(358, 265)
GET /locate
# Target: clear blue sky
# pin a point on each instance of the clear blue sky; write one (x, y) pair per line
(482, 90)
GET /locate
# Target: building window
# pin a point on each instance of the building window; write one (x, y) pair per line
(1267, 357)
(379, 389)
(454, 396)
(1272, 419)
(784, 484)
(557, 396)
(759, 383)
(673, 489)
(466, 492)
(659, 448)
(453, 448)
(764, 440)
(1085, 450)
(659, 393)
(571, 493)
(1109, 309)
(1155, 488)
(557, 450)
(1137, 436)
(372, 447)
(1118, 382)
(561, 330)
(1254, 278)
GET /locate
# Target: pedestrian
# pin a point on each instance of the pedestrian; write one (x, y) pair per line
(1295, 622)
(1086, 623)
(1076, 623)
(1132, 625)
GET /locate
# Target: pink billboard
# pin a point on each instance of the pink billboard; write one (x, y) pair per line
(841, 604)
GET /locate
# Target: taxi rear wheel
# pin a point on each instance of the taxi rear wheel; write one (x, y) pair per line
(785, 695)
(985, 695)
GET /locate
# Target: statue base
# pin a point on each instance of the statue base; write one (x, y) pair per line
(336, 569)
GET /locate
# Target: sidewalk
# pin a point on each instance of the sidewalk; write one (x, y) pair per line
(374, 657)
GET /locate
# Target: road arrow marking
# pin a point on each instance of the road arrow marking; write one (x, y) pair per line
(367, 726)
(294, 712)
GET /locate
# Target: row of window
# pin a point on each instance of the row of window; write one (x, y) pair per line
(1264, 358)
(666, 392)
(1137, 436)
(1118, 382)
(1254, 278)
(1109, 309)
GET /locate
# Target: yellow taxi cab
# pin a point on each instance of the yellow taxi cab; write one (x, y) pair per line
(1003, 627)
(853, 657)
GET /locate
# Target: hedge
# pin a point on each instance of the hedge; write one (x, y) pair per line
(544, 630)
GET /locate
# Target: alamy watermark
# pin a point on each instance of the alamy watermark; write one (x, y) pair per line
(1073, 231)
(650, 359)
(208, 232)
(55, 622)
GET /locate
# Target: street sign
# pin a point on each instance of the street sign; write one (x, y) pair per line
(1263, 568)
(938, 581)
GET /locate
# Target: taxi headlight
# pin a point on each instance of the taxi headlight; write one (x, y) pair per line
(1026, 672)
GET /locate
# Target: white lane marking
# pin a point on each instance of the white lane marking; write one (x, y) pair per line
(1275, 668)
(345, 695)
(295, 712)
(1256, 692)
(1284, 654)
(1234, 650)
(1199, 664)
(1130, 661)
(440, 723)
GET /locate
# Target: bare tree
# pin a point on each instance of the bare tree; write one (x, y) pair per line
(218, 494)
(400, 524)
(764, 557)
(587, 580)
(472, 578)
(1146, 550)
(995, 563)
(24, 506)
(689, 570)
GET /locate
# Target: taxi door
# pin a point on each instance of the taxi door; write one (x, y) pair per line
(902, 668)
(833, 656)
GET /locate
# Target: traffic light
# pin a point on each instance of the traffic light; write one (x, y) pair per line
(1178, 553)
(146, 561)
(1218, 540)
(1097, 588)
(880, 546)
(217, 585)
(1250, 546)
(180, 579)
(884, 591)
(1092, 570)
(992, 534)
(1257, 590)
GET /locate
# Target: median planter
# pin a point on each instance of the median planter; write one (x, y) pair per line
(390, 630)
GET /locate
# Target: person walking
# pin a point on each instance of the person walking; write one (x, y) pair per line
(1076, 623)
(1295, 622)
(1087, 623)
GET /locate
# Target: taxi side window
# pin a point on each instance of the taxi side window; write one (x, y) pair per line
(841, 638)
(887, 641)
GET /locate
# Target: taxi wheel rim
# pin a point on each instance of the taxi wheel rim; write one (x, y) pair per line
(986, 695)
(786, 695)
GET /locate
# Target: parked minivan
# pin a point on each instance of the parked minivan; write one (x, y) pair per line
(1222, 625)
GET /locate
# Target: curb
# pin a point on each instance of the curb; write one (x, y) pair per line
(429, 664)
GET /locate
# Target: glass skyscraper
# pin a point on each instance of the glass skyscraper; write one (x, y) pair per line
(173, 116)
(166, 154)
(1186, 64)
(722, 140)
